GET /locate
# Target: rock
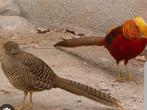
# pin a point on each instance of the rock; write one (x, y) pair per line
(43, 30)
(9, 7)
(15, 24)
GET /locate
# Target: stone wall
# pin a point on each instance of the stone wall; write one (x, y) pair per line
(84, 16)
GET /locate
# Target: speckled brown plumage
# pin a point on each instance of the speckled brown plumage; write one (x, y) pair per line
(29, 73)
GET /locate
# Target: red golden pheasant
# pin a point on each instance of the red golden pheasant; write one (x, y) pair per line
(124, 42)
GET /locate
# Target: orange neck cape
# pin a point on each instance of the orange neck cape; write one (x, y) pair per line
(130, 30)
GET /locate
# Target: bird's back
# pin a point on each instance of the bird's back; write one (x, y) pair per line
(35, 70)
(38, 67)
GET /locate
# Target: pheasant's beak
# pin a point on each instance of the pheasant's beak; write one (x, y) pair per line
(144, 33)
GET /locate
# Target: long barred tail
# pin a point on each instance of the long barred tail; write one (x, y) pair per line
(89, 92)
(77, 42)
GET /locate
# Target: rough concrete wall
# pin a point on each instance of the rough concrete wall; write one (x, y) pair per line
(9, 7)
(15, 24)
(87, 16)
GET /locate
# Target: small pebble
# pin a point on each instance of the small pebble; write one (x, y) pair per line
(79, 101)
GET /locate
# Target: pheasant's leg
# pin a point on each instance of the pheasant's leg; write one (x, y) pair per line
(119, 75)
(31, 102)
(23, 102)
(130, 76)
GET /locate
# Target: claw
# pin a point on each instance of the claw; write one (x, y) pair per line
(30, 106)
(20, 108)
(131, 78)
(124, 78)
(119, 78)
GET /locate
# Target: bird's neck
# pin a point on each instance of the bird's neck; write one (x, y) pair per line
(130, 30)
(14, 52)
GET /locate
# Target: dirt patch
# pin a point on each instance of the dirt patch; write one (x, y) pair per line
(90, 65)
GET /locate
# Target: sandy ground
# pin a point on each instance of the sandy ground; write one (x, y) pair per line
(90, 65)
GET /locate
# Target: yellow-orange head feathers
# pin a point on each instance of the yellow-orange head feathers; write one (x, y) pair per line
(141, 25)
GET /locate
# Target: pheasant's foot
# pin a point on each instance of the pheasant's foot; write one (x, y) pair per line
(124, 79)
(30, 106)
(19, 108)
(119, 78)
(131, 78)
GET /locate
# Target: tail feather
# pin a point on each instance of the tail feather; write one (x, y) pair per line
(76, 42)
(89, 92)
